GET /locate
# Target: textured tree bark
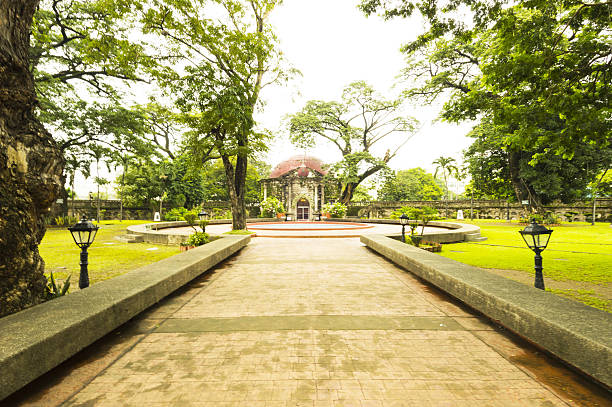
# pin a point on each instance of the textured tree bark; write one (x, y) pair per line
(30, 165)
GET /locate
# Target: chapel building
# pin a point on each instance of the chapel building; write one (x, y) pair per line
(299, 184)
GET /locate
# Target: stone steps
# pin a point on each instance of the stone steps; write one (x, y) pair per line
(474, 237)
(130, 238)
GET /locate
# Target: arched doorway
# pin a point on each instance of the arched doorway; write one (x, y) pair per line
(303, 209)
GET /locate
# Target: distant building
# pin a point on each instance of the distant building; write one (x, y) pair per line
(298, 183)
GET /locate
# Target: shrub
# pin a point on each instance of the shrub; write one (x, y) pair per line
(175, 214)
(197, 239)
(54, 290)
(271, 206)
(336, 210)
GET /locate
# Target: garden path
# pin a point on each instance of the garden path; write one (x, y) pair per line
(310, 322)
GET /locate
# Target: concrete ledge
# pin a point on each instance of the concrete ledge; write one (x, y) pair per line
(153, 232)
(38, 339)
(451, 233)
(575, 333)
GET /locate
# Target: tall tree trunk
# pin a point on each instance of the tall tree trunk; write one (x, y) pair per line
(235, 178)
(349, 187)
(31, 166)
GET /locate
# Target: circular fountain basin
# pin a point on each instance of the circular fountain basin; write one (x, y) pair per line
(310, 226)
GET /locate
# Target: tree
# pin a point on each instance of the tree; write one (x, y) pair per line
(355, 126)
(30, 165)
(500, 171)
(448, 167)
(81, 51)
(521, 65)
(224, 63)
(446, 164)
(146, 182)
(215, 189)
(411, 185)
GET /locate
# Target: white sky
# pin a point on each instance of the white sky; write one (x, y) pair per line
(333, 44)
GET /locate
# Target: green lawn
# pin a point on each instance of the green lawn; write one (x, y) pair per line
(108, 257)
(578, 260)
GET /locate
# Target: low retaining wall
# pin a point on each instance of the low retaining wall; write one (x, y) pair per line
(455, 232)
(37, 339)
(575, 333)
(153, 232)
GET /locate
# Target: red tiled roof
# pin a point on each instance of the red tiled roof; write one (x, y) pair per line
(295, 162)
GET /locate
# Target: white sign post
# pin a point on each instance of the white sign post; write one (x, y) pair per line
(460, 214)
(156, 217)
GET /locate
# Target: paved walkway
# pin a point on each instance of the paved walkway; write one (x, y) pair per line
(309, 322)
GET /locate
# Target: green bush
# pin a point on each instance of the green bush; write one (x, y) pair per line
(190, 218)
(271, 206)
(336, 210)
(54, 290)
(197, 239)
(175, 214)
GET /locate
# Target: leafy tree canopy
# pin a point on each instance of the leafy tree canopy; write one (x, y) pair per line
(414, 184)
(522, 64)
(355, 126)
(221, 54)
(501, 172)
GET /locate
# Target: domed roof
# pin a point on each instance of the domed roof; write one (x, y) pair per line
(296, 162)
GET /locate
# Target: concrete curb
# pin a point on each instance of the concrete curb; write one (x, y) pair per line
(37, 339)
(457, 232)
(153, 232)
(577, 334)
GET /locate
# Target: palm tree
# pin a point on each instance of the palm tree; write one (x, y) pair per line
(448, 167)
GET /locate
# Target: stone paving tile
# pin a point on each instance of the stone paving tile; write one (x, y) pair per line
(178, 365)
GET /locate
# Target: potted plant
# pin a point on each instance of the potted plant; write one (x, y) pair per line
(195, 239)
(334, 210)
(271, 207)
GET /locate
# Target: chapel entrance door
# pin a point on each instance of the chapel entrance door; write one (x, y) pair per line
(303, 210)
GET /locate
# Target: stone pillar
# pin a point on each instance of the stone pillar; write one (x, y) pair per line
(265, 185)
(289, 197)
(322, 194)
(316, 201)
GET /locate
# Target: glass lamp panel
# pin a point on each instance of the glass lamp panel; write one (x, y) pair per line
(91, 237)
(544, 240)
(75, 237)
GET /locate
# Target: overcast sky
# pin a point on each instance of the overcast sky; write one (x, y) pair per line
(333, 44)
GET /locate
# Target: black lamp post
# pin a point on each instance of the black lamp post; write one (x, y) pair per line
(404, 221)
(537, 237)
(203, 215)
(83, 233)
(318, 216)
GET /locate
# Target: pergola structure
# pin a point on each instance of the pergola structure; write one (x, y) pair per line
(298, 183)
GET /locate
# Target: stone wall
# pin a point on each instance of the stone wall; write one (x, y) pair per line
(488, 209)
(482, 209)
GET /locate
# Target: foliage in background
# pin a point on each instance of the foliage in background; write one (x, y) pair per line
(411, 185)
(424, 214)
(172, 180)
(57, 290)
(355, 126)
(336, 209)
(82, 51)
(271, 206)
(497, 168)
(537, 72)
(215, 186)
(219, 57)
(197, 239)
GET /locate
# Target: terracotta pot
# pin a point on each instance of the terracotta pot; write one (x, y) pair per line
(185, 248)
(280, 215)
